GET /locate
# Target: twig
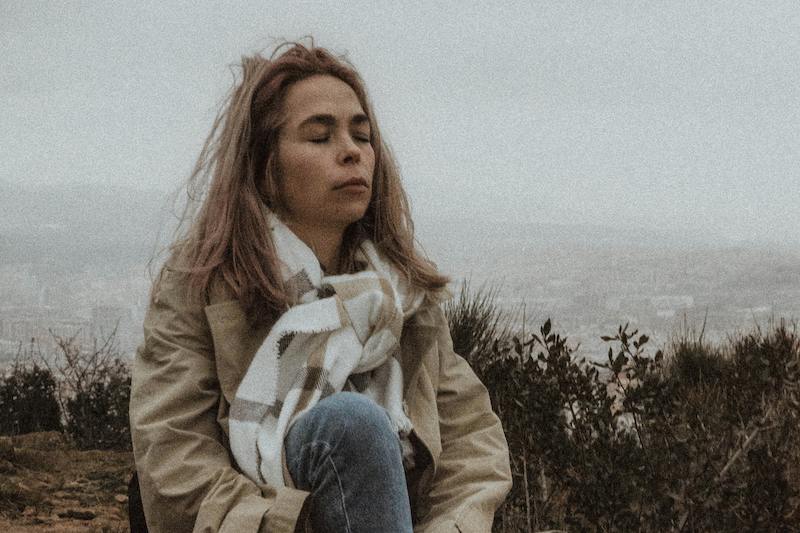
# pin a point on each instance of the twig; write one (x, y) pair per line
(527, 492)
(735, 457)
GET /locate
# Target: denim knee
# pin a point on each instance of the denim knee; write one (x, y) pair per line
(345, 451)
(350, 417)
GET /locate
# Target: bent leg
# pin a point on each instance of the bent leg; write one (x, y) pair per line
(345, 452)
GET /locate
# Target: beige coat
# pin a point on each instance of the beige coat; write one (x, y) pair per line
(185, 376)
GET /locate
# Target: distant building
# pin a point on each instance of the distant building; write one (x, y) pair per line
(40, 324)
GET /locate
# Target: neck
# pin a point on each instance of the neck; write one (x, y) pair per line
(326, 243)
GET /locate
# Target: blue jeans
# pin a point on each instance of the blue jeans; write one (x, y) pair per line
(346, 454)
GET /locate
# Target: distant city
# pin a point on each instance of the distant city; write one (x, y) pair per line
(83, 274)
(587, 293)
(37, 308)
(589, 283)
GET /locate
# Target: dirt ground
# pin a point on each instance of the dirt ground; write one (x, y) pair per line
(45, 486)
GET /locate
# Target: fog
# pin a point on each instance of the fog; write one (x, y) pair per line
(680, 117)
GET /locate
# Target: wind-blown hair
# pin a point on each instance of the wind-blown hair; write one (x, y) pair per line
(227, 238)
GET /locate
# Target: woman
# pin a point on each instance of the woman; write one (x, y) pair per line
(297, 370)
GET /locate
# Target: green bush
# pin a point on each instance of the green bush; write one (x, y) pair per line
(97, 415)
(703, 439)
(695, 364)
(476, 322)
(94, 393)
(81, 392)
(28, 401)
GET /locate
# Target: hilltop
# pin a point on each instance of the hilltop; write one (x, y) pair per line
(48, 486)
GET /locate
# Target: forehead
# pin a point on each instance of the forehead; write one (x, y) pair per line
(320, 94)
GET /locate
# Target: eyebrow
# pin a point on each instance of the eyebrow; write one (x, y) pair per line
(330, 120)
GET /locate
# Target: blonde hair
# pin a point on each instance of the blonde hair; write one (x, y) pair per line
(228, 238)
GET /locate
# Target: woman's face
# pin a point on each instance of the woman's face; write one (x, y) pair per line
(325, 158)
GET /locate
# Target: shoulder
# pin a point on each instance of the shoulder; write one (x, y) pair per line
(174, 283)
(429, 326)
(430, 312)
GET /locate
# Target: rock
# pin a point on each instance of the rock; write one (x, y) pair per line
(121, 498)
(33, 485)
(23, 487)
(25, 493)
(63, 502)
(78, 515)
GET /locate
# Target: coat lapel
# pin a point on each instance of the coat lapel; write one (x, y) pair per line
(417, 340)
(235, 343)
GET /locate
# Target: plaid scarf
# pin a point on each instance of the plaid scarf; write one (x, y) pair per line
(342, 334)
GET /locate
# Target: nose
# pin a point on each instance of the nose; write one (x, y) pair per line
(349, 153)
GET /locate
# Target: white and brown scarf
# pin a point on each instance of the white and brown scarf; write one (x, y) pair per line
(343, 334)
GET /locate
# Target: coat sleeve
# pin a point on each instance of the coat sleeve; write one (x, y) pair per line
(187, 479)
(473, 475)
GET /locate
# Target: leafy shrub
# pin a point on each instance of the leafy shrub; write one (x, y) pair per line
(94, 393)
(695, 364)
(703, 439)
(28, 401)
(476, 322)
(97, 416)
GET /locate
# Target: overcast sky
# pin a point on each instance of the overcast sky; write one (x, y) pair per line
(681, 116)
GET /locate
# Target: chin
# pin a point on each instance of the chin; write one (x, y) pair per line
(346, 223)
(349, 216)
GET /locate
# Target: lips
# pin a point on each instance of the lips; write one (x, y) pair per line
(352, 182)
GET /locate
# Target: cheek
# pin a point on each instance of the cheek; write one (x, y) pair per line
(302, 180)
(291, 164)
(305, 165)
(294, 168)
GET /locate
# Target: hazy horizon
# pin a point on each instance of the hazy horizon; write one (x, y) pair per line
(682, 117)
(148, 213)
